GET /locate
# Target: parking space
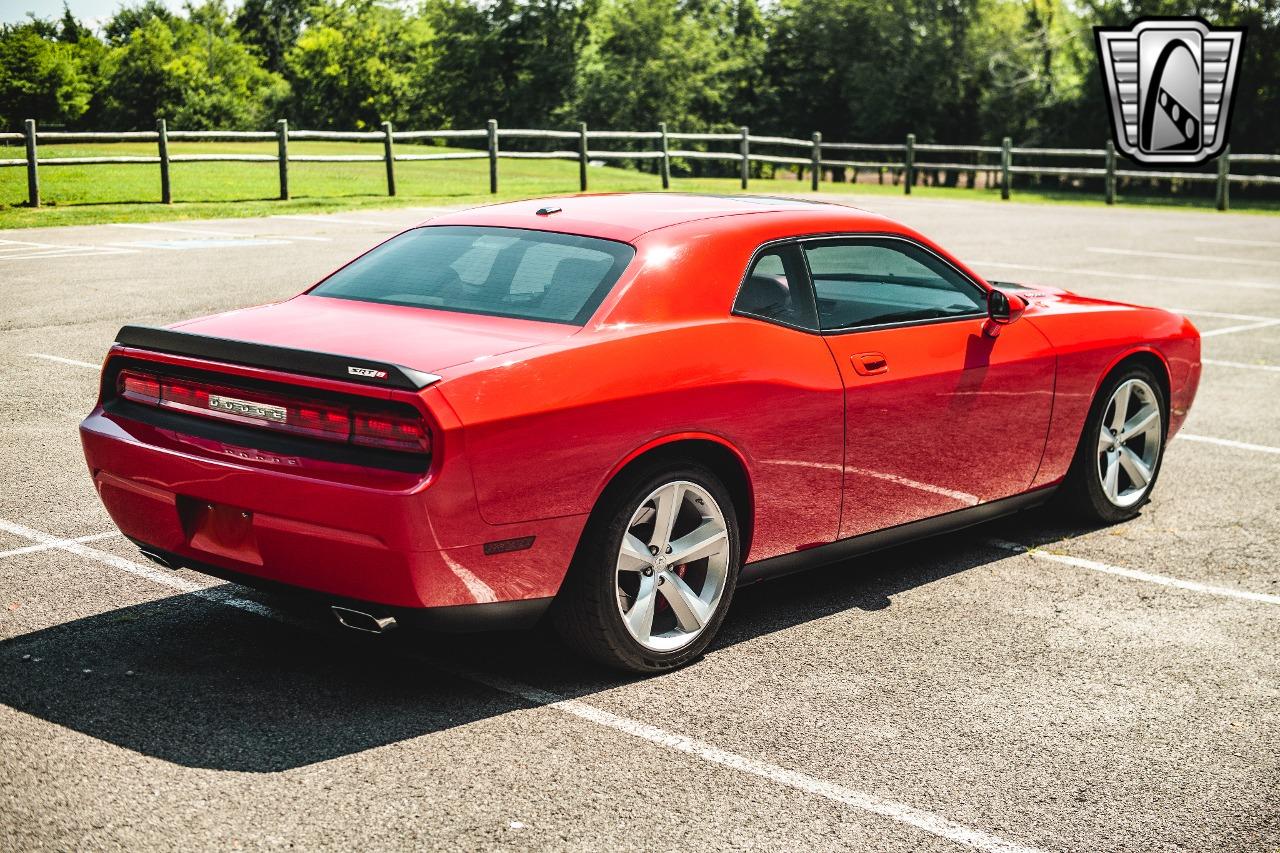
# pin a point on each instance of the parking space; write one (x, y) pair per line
(1024, 685)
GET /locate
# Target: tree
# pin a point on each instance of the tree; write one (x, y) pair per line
(694, 63)
(130, 18)
(271, 27)
(507, 59)
(195, 72)
(360, 63)
(40, 77)
(70, 29)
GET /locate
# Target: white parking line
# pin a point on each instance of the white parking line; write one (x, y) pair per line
(1221, 315)
(143, 226)
(209, 232)
(1255, 321)
(217, 594)
(302, 217)
(1227, 442)
(31, 549)
(1163, 580)
(1236, 241)
(1221, 363)
(21, 250)
(1130, 276)
(206, 243)
(1243, 327)
(1181, 256)
(926, 821)
(61, 360)
(929, 822)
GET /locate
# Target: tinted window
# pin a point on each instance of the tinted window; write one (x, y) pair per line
(775, 288)
(868, 282)
(504, 272)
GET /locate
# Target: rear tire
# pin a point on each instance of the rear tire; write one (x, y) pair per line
(1121, 448)
(638, 598)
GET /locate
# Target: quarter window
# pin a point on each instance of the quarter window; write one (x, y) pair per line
(776, 289)
(870, 282)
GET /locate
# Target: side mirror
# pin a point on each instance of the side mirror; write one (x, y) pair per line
(1002, 309)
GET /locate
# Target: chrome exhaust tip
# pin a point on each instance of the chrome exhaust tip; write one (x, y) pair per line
(358, 620)
(157, 559)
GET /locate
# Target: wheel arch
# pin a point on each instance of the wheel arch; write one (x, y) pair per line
(1149, 357)
(715, 452)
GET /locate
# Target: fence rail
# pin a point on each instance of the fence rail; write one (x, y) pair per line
(900, 160)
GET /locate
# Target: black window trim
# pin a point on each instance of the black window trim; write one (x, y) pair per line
(811, 291)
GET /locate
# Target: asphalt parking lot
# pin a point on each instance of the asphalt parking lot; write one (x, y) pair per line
(1111, 689)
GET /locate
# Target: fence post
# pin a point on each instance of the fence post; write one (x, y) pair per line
(389, 154)
(492, 127)
(282, 156)
(1224, 179)
(665, 165)
(33, 176)
(162, 144)
(582, 156)
(1006, 160)
(1111, 172)
(746, 156)
(909, 165)
(815, 158)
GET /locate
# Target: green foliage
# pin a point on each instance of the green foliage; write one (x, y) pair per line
(946, 70)
(121, 27)
(271, 27)
(359, 63)
(505, 59)
(41, 76)
(193, 71)
(693, 63)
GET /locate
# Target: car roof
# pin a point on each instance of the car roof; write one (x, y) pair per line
(626, 216)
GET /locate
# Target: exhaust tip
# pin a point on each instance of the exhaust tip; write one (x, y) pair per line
(157, 559)
(358, 620)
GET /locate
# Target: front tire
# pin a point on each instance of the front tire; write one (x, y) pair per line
(1121, 449)
(655, 572)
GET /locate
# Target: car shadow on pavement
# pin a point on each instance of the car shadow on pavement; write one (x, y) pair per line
(193, 682)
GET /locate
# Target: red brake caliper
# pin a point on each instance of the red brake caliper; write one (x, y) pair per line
(679, 569)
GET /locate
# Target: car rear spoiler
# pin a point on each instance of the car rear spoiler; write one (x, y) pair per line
(324, 364)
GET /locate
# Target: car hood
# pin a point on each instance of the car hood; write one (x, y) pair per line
(421, 338)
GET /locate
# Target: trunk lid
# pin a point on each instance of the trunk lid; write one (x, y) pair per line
(423, 339)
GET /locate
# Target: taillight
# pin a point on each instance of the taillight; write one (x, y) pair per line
(390, 431)
(138, 387)
(277, 412)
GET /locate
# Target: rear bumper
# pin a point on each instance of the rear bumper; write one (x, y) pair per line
(413, 548)
(455, 618)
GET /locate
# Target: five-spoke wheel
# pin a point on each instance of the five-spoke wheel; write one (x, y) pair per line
(1129, 440)
(656, 569)
(672, 566)
(1119, 454)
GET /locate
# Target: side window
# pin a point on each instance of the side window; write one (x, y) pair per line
(776, 289)
(868, 282)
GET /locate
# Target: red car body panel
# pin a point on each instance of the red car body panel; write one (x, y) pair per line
(530, 421)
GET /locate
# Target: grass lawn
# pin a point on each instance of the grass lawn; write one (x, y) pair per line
(82, 195)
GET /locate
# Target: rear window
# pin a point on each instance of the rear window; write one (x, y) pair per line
(503, 272)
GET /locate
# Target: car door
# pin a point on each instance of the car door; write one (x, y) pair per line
(938, 415)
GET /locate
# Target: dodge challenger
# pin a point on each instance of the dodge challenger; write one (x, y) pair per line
(613, 410)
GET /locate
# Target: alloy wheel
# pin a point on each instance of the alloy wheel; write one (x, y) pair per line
(1129, 440)
(672, 566)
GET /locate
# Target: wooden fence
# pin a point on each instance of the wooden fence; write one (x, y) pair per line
(904, 162)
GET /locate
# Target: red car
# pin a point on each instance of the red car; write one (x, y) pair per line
(617, 409)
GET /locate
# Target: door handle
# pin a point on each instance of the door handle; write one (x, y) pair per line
(870, 363)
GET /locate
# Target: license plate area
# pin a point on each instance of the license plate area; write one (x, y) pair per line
(219, 529)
